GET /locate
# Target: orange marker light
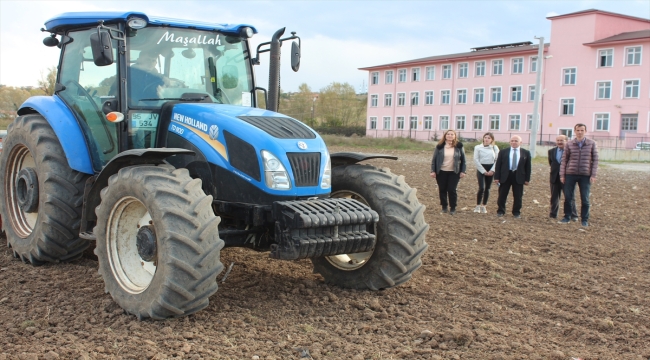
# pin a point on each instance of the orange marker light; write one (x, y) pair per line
(114, 116)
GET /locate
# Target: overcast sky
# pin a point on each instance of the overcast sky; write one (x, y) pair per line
(338, 37)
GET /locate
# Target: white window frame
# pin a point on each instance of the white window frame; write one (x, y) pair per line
(568, 132)
(384, 119)
(412, 119)
(451, 71)
(597, 94)
(474, 123)
(397, 122)
(512, 65)
(598, 51)
(464, 122)
(474, 93)
(373, 123)
(429, 94)
(440, 122)
(500, 95)
(521, 91)
(492, 67)
(415, 74)
(431, 70)
(609, 121)
(625, 63)
(442, 96)
(573, 106)
(531, 62)
(374, 100)
(458, 93)
(389, 76)
(388, 97)
(510, 128)
(476, 63)
(575, 77)
(427, 120)
(531, 92)
(401, 72)
(466, 68)
(401, 99)
(625, 88)
(529, 121)
(414, 98)
(374, 78)
(490, 122)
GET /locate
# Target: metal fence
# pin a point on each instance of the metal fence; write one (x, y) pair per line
(628, 142)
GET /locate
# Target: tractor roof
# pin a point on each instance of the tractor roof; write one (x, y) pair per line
(62, 22)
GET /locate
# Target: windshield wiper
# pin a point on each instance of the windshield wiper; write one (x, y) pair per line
(197, 98)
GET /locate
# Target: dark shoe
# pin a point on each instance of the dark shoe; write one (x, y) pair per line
(564, 221)
(452, 212)
(574, 219)
(444, 209)
(552, 217)
(517, 216)
(585, 223)
(500, 215)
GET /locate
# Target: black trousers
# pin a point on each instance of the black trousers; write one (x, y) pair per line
(556, 194)
(517, 194)
(447, 184)
(484, 184)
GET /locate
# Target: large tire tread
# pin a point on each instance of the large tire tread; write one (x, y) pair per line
(55, 237)
(188, 241)
(400, 232)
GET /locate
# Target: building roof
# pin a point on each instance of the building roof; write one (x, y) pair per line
(626, 36)
(507, 49)
(596, 11)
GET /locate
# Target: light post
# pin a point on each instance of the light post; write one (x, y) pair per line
(538, 96)
(411, 114)
(313, 106)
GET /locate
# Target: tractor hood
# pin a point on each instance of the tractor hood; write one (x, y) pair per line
(233, 137)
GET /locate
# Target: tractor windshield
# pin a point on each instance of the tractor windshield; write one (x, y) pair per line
(173, 64)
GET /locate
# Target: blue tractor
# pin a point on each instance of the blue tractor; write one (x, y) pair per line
(155, 151)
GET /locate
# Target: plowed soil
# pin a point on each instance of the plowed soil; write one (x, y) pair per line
(489, 288)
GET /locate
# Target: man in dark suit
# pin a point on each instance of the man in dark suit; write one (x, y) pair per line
(512, 169)
(554, 160)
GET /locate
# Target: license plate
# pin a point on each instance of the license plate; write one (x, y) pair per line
(144, 120)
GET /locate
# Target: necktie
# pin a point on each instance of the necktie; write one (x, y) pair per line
(513, 166)
(559, 155)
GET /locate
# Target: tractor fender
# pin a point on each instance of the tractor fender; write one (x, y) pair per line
(94, 185)
(348, 158)
(66, 128)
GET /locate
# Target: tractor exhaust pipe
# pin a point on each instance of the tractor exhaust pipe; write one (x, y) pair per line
(274, 72)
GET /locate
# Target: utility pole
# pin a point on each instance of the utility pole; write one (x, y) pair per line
(538, 96)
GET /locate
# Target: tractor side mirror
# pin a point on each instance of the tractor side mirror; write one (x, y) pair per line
(102, 48)
(229, 77)
(295, 56)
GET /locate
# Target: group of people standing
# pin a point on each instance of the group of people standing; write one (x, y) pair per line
(572, 163)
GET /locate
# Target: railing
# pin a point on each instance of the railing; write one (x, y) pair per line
(628, 142)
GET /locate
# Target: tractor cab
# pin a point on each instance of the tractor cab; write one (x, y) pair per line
(117, 72)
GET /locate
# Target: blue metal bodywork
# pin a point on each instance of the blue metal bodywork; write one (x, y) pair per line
(194, 122)
(65, 127)
(61, 22)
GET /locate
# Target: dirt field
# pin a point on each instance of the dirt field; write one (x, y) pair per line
(489, 288)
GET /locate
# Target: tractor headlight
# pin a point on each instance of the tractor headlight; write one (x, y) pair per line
(326, 181)
(246, 32)
(275, 175)
(136, 23)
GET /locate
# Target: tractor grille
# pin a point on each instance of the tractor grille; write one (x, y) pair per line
(306, 168)
(242, 156)
(280, 127)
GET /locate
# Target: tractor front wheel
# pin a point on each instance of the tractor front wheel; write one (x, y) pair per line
(399, 233)
(158, 245)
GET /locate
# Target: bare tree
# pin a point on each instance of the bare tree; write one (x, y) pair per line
(340, 105)
(46, 83)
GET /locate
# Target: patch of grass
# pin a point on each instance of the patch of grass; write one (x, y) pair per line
(394, 143)
(27, 323)
(308, 328)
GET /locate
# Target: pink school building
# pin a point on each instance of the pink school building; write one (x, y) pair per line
(596, 71)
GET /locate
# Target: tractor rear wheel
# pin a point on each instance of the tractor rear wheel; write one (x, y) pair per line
(399, 233)
(158, 244)
(41, 197)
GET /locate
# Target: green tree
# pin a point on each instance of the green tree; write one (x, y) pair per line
(339, 105)
(301, 105)
(46, 83)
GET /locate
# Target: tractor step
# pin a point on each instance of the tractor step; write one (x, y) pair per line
(322, 227)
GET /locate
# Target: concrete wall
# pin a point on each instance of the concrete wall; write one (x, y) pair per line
(606, 154)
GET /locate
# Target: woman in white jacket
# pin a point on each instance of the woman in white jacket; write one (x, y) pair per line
(485, 157)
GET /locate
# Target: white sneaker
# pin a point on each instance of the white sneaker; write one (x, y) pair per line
(477, 209)
(483, 210)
